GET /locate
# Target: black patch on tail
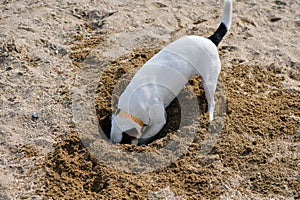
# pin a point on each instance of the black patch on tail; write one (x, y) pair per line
(219, 34)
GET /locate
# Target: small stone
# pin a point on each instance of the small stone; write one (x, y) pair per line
(35, 116)
(280, 3)
(275, 19)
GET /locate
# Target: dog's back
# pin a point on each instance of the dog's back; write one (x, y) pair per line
(173, 66)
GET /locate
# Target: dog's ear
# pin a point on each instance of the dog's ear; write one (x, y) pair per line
(157, 114)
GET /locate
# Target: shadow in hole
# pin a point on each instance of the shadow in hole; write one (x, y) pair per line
(105, 125)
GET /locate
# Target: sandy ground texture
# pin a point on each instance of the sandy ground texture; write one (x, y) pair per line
(63, 65)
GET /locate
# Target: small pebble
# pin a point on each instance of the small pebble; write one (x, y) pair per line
(35, 116)
(280, 3)
(275, 19)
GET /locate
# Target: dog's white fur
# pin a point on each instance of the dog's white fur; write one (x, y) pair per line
(161, 79)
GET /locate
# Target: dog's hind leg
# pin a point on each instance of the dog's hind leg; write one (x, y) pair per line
(209, 95)
(209, 83)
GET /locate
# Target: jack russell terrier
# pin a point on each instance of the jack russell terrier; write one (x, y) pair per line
(141, 107)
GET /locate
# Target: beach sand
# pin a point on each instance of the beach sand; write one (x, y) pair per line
(64, 64)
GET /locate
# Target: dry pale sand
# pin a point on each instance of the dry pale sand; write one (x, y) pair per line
(67, 61)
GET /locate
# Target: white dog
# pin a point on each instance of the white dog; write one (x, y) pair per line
(141, 107)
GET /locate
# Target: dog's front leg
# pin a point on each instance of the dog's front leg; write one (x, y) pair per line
(157, 116)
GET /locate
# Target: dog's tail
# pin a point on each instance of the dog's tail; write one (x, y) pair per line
(225, 23)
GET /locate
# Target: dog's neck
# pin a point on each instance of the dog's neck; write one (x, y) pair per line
(131, 117)
(140, 118)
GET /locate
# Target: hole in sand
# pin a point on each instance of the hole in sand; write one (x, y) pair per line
(117, 76)
(172, 124)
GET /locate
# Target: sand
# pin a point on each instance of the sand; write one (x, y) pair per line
(64, 64)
